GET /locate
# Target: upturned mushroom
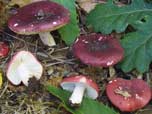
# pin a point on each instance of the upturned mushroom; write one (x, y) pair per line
(128, 95)
(4, 49)
(22, 67)
(40, 18)
(98, 50)
(80, 85)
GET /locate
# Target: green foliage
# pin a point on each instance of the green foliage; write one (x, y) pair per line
(88, 106)
(138, 47)
(108, 17)
(71, 30)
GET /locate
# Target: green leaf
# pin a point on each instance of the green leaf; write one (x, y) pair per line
(88, 106)
(108, 17)
(138, 47)
(71, 30)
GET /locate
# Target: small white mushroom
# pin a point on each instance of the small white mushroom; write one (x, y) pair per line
(22, 67)
(80, 86)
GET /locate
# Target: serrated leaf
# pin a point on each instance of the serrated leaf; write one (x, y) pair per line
(71, 30)
(88, 106)
(138, 47)
(108, 17)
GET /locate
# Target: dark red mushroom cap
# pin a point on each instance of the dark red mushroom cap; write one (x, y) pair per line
(4, 49)
(98, 50)
(128, 95)
(38, 17)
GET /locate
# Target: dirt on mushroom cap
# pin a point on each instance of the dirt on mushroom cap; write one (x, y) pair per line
(139, 93)
(98, 50)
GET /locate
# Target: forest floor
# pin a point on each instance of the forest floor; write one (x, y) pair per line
(58, 62)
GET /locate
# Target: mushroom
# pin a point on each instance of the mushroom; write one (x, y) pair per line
(98, 50)
(22, 67)
(128, 95)
(80, 85)
(39, 18)
(4, 49)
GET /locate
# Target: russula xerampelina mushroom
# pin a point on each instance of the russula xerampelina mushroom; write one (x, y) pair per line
(4, 49)
(98, 50)
(39, 18)
(80, 85)
(22, 67)
(128, 95)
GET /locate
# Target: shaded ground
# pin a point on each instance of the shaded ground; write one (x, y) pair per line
(57, 63)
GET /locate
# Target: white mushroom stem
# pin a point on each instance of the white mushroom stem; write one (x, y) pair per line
(77, 94)
(47, 38)
(140, 76)
(112, 71)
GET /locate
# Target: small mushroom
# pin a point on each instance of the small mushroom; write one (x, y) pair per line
(98, 50)
(128, 95)
(39, 18)
(80, 85)
(22, 67)
(4, 49)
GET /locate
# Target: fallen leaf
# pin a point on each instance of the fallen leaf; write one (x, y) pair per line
(22, 3)
(1, 80)
(88, 5)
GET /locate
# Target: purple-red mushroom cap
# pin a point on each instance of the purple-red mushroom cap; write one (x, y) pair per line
(128, 95)
(4, 49)
(98, 50)
(38, 17)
